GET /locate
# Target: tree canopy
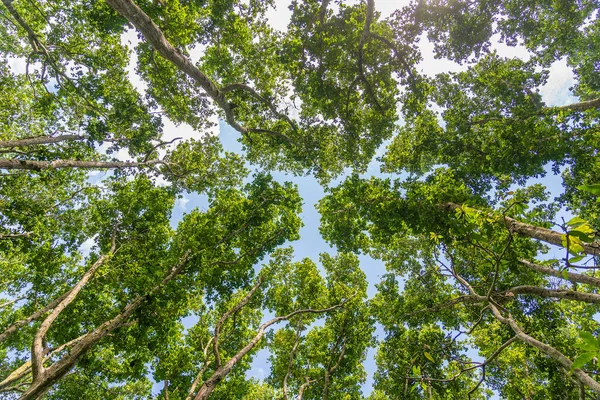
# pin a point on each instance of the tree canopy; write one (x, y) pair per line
(491, 285)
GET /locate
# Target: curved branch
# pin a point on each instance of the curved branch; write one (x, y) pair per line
(547, 350)
(304, 386)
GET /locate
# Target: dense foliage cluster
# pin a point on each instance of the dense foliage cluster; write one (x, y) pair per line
(103, 295)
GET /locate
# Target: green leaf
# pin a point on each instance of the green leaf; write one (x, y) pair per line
(416, 370)
(429, 356)
(576, 222)
(574, 244)
(565, 274)
(576, 258)
(583, 359)
(588, 337)
(593, 189)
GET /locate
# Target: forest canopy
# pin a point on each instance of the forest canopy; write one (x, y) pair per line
(442, 139)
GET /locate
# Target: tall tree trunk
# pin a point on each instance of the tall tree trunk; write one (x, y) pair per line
(37, 348)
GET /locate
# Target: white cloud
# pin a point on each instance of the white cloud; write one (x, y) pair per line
(182, 202)
(86, 247)
(556, 91)
(130, 39)
(17, 64)
(431, 66)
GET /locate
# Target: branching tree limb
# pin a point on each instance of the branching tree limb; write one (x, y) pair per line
(220, 373)
(153, 34)
(37, 348)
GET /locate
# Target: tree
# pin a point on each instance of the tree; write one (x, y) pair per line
(105, 295)
(465, 268)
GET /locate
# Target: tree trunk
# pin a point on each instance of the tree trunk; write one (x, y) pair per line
(37, 348)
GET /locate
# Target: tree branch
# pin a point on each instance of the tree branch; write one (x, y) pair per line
(570, 276)
(556, 293)
(224, 317)
(547, 350)
(39, 140)
(534, 232)
(32, 165)
(153, 34)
